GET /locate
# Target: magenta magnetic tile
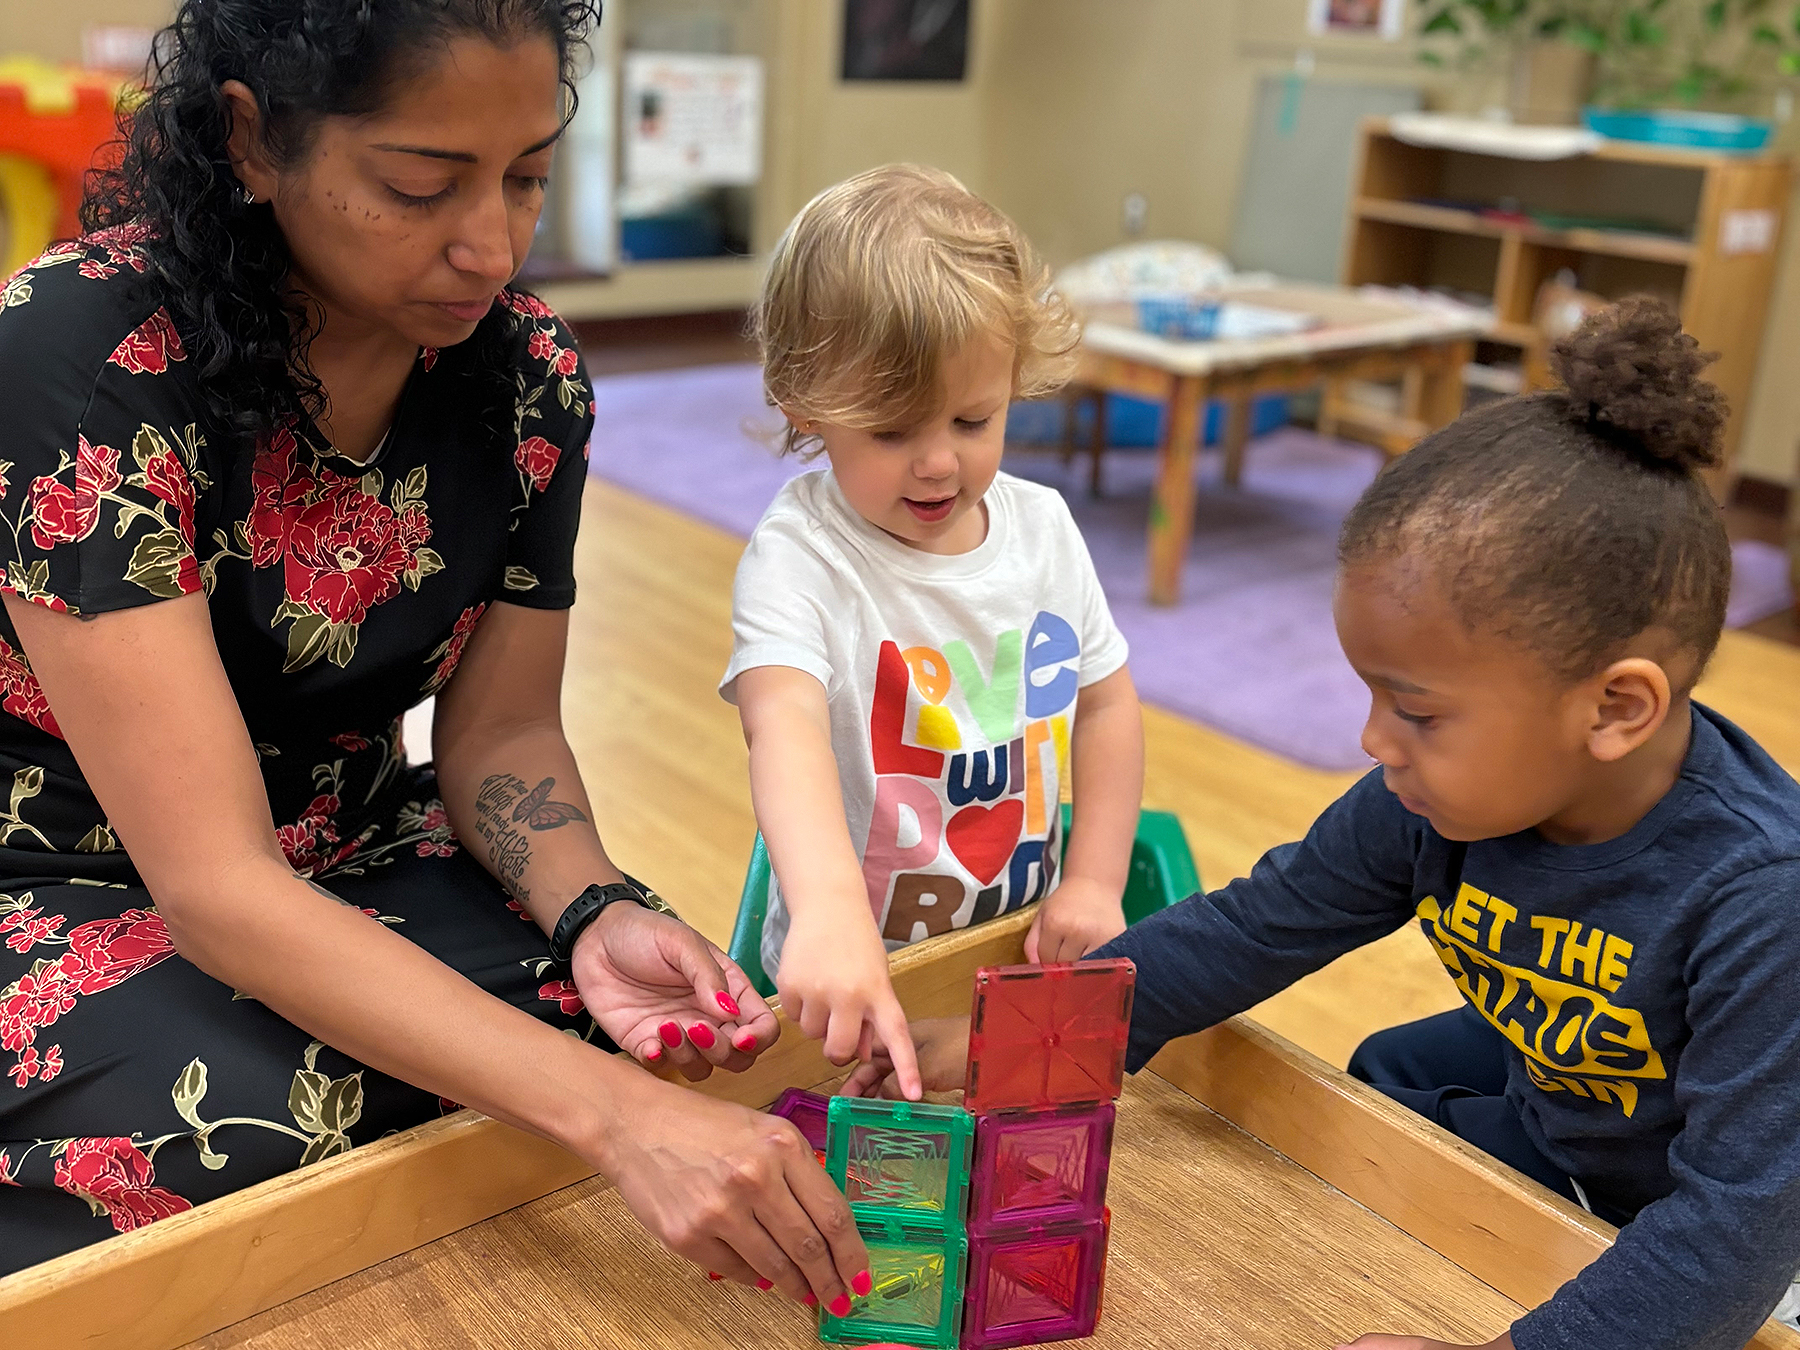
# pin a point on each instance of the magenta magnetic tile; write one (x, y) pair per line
(1041, 1166)
(1043, 1036)
(1034, 1284)
(807, 1110)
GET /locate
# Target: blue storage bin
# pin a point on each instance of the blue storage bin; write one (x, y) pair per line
(1131, 423)
(692, 232)
(1676, 126)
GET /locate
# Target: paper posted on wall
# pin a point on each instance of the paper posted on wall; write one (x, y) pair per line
(693, 120)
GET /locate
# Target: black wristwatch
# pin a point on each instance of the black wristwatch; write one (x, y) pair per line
(587, 907)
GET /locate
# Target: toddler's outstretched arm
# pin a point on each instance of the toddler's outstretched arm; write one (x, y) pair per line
(833, 979)
(1107, 753)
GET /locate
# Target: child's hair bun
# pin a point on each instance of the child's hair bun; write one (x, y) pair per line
(1632, 374)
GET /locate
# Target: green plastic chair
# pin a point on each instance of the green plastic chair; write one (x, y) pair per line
(1162, 873)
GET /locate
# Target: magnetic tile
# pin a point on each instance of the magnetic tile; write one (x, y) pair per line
(909, 1159)
(1044, 1036)
(917, 1293)
(1036, 1284)
(1041, 1166)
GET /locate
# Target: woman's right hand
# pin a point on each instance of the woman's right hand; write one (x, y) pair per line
(736, 1191)
(834, 985)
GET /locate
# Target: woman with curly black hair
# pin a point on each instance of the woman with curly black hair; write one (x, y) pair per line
(284, 455)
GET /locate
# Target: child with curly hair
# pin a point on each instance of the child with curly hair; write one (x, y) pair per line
(1608, 870)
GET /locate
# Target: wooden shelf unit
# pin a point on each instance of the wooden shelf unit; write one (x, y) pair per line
(1711, 261)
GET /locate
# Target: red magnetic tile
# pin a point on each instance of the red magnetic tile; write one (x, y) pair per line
(1045, 1036)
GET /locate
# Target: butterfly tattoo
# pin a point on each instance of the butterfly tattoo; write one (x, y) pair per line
(536, 810)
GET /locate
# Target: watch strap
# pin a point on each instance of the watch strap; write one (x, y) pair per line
(587, 907)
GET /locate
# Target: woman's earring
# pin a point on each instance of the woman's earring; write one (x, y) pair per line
(246, 196)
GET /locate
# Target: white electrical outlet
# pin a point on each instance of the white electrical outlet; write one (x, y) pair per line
(1136, 213)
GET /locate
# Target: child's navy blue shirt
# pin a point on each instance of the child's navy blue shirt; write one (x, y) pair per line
(1648, 988)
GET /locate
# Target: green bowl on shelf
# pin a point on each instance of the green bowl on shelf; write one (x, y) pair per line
(1679, 126)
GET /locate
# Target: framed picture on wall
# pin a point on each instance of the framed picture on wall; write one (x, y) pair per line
(906, 39)
(1357, 18)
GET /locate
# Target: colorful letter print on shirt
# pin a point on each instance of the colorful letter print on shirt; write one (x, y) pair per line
(952, 683)
(970, 754)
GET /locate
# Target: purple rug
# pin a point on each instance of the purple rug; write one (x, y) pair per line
(1250, 649)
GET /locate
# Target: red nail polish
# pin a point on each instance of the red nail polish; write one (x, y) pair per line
(764, 1284)
(745, 1041)
(862, 1284)
(714, 1275)
(811, 1300)
(670, 1033)
(653, 1054)
(729, 1004)
(701, 1035)
(839, 1306)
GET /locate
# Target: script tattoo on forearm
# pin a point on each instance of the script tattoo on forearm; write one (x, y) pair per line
(502, 805)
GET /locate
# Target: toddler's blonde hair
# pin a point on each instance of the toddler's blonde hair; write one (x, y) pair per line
(880, 278)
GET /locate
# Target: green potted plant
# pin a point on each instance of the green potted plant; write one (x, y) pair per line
(1710, 56)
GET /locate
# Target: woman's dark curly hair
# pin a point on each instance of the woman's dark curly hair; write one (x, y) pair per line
(1573, 520)
(220, 264)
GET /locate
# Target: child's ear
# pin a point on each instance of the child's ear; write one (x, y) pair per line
(1634, 700)
(804, 425)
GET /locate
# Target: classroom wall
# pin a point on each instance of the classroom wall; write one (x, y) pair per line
(53, 30)
(1069, 106)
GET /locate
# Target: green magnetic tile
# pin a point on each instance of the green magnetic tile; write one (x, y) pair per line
(903, 1159)
(917, 1293)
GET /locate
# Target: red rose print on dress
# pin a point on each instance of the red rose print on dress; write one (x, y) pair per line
(536, 461)
(21, 694)
(345, 556)
(167, 478)
(280, 487)
(349, 740)
(565, 362)
(63, 515)
(564, 994)
(102, 953)
(543, 344)
(428, 358)
(527, 305)
(311, 844)
(116, 1178)
(342, 549)
(151, 347)
(448, 653)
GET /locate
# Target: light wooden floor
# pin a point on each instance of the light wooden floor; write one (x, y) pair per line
(665, 766)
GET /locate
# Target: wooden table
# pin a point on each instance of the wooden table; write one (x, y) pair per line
(1359, 339)
(1259, 1197)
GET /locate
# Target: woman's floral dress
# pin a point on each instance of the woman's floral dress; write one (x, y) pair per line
(132, 1085)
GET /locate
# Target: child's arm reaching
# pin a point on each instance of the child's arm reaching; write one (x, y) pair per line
(1107, 754)
(833, 980)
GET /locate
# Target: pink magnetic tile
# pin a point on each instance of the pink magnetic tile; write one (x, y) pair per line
(1031, 1285)
(1038, 1167)
(1045, 1036)
(807, 1110)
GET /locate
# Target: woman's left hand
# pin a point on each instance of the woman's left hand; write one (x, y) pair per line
(667, 995)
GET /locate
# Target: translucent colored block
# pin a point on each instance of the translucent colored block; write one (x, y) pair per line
(1045, 1036)
(1041, 1166)
(1105, 1252)
(917, 1293)
(1035, 1284)
(807, 1110)
(909, 1159)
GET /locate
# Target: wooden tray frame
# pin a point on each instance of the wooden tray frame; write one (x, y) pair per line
(186, 1276)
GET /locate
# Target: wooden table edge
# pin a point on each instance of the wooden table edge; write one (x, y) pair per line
(187, 1276)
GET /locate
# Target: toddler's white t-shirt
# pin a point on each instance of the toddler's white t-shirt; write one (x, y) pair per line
(951, 683)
